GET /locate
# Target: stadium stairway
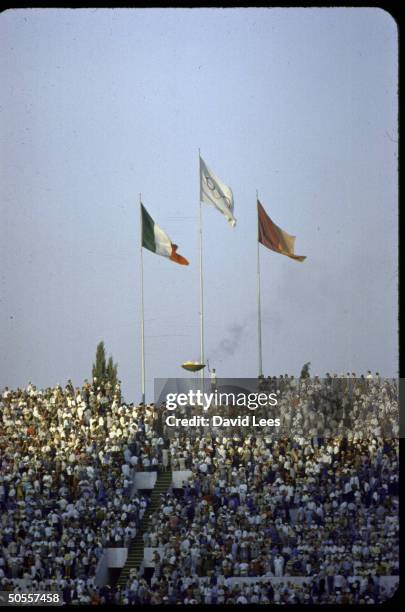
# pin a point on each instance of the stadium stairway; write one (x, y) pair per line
(135, 552)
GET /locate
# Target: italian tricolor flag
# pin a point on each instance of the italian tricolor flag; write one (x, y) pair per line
(157, 241)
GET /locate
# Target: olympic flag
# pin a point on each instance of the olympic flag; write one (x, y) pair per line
(213, 191)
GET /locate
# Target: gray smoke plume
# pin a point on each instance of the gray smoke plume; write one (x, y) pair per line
(231, 341)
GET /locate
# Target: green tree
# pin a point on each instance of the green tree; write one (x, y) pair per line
(102, 370)
(305, 370)
(99, 367)
(112, 371)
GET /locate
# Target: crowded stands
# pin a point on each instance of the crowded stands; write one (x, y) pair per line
(309, 515)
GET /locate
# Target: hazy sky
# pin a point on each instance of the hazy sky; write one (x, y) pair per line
(99, 105)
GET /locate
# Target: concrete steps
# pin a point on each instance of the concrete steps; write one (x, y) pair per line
(135, 552)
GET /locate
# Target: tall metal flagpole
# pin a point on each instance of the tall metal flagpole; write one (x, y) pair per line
(201, 282)
(259, 307)
(142, 311)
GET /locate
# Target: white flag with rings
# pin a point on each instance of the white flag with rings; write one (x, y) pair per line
(214, 191)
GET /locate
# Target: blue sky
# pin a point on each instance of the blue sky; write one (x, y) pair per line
(98, 105)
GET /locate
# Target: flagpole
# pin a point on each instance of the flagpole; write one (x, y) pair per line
(142, 311)
(201, 282)
(259, 308)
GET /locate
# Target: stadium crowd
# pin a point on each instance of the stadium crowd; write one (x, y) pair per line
(309, 515)
(67, 458)
(312, 590)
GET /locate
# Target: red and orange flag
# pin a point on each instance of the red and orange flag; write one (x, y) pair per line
(273, 237)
